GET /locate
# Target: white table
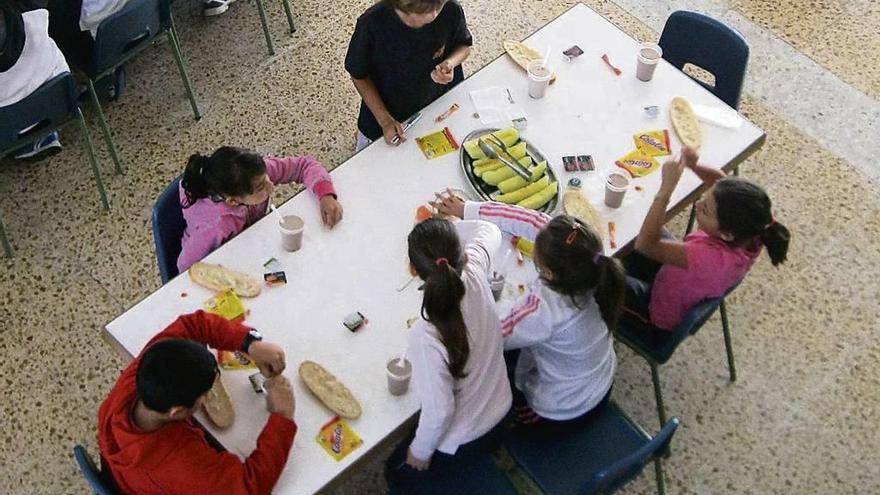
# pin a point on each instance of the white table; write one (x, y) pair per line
(359, 265)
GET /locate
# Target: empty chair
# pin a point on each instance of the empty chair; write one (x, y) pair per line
(122, 36)
(98, 481)
(657, 346)
(610, 451)
(39, 114)
(168, 227)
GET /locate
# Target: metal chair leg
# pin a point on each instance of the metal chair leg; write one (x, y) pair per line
(7, 247)
(287, 11)
(181, 67)
(104, 129)
(658, 473)
(262, 12)
(658, 394)
(725, 327)
(691, 220)
(87, 139)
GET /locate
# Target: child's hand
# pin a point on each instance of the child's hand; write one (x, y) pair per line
(442, 73)
(672, 170)
(391, 130)
(279, 397)
(268, 357)
(416, 463)
(690, 157)
(331, 211)
(449, 204)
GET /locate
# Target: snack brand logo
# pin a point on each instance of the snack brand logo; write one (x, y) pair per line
(336, 439)
(652, 141)
(640, 163)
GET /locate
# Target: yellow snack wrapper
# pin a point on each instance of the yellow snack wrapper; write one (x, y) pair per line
(638, 164)
(226, 304)
(653, 143)
(235, 360)
(338, 439)
(437, 143)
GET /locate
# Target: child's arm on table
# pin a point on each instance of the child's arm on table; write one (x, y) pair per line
(309, 172)
(650, 241)
(512, 219)
(391, 128)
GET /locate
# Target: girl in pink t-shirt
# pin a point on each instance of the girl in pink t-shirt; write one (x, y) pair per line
(226, 192)
(734, 222)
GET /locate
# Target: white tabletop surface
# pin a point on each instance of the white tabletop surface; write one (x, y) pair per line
(359, 265)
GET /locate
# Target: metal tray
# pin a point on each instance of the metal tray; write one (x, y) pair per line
(487, 192)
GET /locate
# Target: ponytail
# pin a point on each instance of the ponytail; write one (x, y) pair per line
(572, 251)
(436, 255)
(610, 290)
(228, 172)
(776, 238)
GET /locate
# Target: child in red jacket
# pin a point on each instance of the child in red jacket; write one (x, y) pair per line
(148, 439)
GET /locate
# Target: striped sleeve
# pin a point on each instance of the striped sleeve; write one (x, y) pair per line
(527, 323)
(512, 219)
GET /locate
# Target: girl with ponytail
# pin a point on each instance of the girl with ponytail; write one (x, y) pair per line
(669, 277)
(561, 326)
(456, 355)
(227, 191)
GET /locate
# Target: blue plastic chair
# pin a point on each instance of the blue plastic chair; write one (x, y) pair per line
(97, 480)
(122, 36)
(609, 452)
(168, 227)
(657, 347)
(689, 37)
(481, 476)
(42, 112)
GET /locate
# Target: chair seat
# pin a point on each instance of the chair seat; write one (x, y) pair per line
(565, 465)
(481, 477)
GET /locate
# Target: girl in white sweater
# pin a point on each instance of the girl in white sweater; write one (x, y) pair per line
(566, 361)
(456, 354)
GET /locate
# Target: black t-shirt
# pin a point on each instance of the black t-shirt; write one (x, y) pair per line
(399, 59)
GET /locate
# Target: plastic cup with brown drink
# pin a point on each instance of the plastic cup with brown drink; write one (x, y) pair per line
(647, 60)
(539, 78)
(291, 232)
(399, 371)
(616, 184)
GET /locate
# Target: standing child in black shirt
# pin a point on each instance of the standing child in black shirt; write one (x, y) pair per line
(402, 56)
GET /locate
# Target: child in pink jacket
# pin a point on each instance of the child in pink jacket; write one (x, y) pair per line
(226, 192)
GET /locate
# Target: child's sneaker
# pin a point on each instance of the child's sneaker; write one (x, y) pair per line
(215, 7)
(46, 147)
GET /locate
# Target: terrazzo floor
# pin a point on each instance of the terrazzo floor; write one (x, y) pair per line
(801, 418)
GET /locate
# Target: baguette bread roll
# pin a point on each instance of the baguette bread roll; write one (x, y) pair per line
(329, 390)
(219, 278)
(522, 55)
(685, 123)
(218, 405)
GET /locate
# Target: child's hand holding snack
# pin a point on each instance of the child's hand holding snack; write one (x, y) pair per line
(449, 205)
(690, 157)
(331, 211)
(391, 129)
(268, 357)
(279, 397)
(442, 73)
(671, 174)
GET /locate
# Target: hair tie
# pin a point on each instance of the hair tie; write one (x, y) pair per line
(569, 240)
(441, 261)
(597, 258)
(771, 224)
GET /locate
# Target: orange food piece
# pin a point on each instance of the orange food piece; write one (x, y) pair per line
(423, 213)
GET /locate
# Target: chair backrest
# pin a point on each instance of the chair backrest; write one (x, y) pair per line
(689, 37)
(126, 31)
(41, 112)
(168, 227)
(91, 473)
(621, 472)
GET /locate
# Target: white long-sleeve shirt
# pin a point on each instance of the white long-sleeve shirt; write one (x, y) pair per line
(455, 412)
(95, 11)
(40, 60)
(567, 361)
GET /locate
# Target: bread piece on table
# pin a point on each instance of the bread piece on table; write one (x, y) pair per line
(220, 278)
(522, 55)
(218, 405)
(575, 204)
(685, 123)
(329, 390)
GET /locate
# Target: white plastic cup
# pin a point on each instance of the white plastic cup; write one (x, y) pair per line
(398, 376)
(648, 57)
(616, 184)
(291, 227)
(539, 78)
(497, 285)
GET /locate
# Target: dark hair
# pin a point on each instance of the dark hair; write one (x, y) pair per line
(175, 372)
(416, 6)
(228, 172)
(12, 36)
(435, 252)
(572, 250)
(744, 210)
